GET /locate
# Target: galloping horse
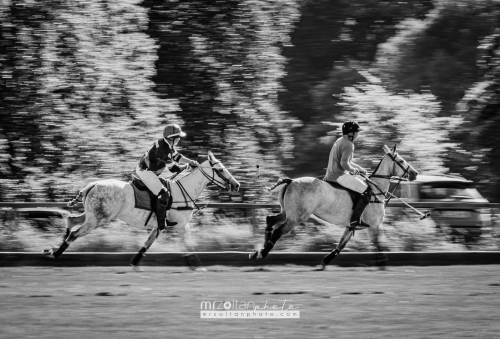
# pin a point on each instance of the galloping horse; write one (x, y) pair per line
(109, 199)
(310, 197)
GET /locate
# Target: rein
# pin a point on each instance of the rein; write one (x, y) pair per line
(212, 180)
(404, 177)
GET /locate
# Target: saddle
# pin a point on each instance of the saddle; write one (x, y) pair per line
(144, 198)
(353, 194)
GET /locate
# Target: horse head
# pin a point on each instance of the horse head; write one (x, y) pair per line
(218, 174)
(400, 167)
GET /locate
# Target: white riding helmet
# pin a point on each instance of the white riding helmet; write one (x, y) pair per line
(172, 131)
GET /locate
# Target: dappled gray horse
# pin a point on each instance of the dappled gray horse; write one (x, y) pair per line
(307, 197)
(109, 199)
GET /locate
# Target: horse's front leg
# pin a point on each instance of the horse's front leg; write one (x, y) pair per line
(381, 257)
(136, 260)
(182, 228)
(348, 233)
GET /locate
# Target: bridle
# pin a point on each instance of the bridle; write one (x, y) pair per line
(406, 172)
(405, 167)
(225, 184)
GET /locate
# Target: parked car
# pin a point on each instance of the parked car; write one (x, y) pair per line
(466, 221)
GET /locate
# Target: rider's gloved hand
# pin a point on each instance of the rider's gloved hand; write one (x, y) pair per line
(354, 171)
(193, 163)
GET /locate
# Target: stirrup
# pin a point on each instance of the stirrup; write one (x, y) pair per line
(358, 225)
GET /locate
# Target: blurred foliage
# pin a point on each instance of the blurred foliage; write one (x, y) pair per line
(85, 87)
(234, 231)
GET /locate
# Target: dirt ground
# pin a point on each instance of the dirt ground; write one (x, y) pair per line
(165, 302)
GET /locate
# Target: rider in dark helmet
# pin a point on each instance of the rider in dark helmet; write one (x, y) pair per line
(344, 171)
(162, 157)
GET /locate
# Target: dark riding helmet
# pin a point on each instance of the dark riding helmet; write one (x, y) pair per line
(172, 131)
(350, 126)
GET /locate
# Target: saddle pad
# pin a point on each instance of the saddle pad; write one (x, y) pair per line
(353, 194)
(142, 198)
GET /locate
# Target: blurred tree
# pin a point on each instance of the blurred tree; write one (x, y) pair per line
(86, 86)
(479, 156)
(76, 97)
(222, 60)
(328, 37)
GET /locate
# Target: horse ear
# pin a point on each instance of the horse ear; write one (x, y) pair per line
(211, 156)
(386, 149)
(395, 148)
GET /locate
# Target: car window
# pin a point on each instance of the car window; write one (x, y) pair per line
(448, 191)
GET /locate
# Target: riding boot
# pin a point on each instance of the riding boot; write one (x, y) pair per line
(161, 212)
(358, 209)
(161, 207)
(163, 197)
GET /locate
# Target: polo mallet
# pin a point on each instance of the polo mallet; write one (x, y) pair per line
(422, 215)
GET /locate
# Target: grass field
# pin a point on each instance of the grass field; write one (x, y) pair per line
(164, 302)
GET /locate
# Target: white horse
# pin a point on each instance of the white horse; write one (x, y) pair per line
(109, 199)
(307, 197)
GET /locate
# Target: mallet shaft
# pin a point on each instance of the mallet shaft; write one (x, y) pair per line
(422, 215)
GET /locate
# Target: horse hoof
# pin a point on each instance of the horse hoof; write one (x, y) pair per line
(49, 252)
(253, 255)
(200, 269)
(137, 268)
(320, 267)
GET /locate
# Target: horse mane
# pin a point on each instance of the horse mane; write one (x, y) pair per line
(184, 174)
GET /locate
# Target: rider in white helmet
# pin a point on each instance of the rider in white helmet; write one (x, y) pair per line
(343, 170)
(162, 156)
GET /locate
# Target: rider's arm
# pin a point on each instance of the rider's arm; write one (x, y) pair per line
(345, 159)
(361, 169)
(347, 165)
(183, 160)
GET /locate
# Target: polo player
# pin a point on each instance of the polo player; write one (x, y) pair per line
(343, 170)
(162, 157)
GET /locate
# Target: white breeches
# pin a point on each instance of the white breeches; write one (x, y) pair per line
(150, 179)
(352, 182)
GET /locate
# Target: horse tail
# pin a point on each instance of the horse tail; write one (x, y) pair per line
(281, 181)
(81, 195)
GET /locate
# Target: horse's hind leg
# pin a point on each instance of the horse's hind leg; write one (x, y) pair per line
(270, 234)
(272, 220)
(90, 224)
(72, 221)
(271, 239)
(348, 233)
(137, 258)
